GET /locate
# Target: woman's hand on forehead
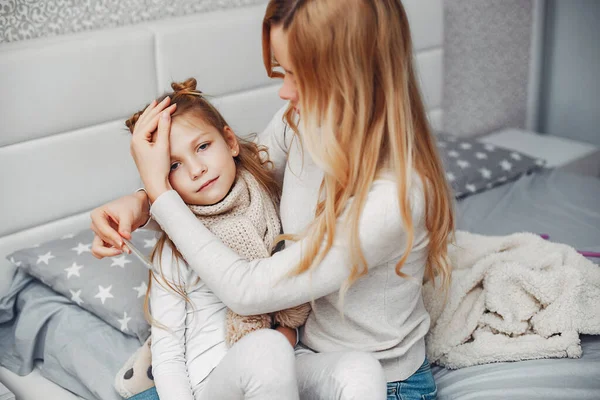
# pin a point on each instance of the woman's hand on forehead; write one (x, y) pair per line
(150, 147)
(147, 124)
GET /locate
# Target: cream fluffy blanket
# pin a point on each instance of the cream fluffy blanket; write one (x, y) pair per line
(516, 297)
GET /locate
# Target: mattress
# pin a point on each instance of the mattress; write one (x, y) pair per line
(526, 380)
(563, 205)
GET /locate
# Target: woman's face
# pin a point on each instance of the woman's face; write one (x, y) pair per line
(279, 47)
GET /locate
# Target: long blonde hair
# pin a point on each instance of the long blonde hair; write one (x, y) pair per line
(251, 157)
(362, 111)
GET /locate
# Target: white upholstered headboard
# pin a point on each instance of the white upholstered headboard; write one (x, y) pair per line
(63, 145)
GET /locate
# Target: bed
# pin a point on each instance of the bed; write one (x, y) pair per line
(64, 151)
(564, 206)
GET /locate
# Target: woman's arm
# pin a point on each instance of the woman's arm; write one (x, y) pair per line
(122, 216)
(261, 286)
(168, 345)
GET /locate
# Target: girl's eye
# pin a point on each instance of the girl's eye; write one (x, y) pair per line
(174, 166)
(203, 146)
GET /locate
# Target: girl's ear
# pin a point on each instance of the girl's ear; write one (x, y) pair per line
(232, 141)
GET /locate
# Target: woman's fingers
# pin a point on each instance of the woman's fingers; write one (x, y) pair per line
(103, 227)
(147, 110)
(153, 124)
(144, 130)
(164, 128)
(150, 112)
(148, 128)
(125, 226)
(171, 108)
(152, 158)
(100, 249)
(113, 221)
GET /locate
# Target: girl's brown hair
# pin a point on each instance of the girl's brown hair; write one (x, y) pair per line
(362, 111)
(191, 103)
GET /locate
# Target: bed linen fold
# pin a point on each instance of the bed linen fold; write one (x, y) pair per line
(80, 352)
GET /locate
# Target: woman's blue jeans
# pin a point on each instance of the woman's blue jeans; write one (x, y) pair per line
(419, 386)
(149, 394)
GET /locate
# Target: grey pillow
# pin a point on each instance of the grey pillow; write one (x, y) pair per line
(112, 288)
(472, 166)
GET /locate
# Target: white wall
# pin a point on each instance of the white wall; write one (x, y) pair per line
(570, 87)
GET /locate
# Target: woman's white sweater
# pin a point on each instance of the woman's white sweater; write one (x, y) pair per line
(382, 313)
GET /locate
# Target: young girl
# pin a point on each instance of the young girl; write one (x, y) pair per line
(228, 186)
(364, 193)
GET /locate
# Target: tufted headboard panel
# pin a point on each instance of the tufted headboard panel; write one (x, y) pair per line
(63, 146)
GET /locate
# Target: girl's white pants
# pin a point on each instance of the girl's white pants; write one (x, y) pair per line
(263, 366)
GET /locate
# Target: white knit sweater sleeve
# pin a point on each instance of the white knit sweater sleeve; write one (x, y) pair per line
(276, 137)
(261, 286)
(168, 345)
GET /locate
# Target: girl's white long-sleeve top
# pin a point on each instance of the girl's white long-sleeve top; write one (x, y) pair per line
(191, 340)
(382, 312)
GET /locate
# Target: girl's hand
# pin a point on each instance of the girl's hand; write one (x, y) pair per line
(118, 219)
(150, 147)
(289, 333)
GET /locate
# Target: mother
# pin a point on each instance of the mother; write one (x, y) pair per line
(364, 198)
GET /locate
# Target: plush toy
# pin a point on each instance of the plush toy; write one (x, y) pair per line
(136, 375)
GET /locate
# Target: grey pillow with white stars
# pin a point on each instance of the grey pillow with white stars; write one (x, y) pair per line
(472, 166)
(112, 288)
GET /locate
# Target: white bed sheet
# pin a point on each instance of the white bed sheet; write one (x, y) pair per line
(34, 386)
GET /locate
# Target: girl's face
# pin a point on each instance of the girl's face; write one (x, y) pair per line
(279, 48)
(202, 166)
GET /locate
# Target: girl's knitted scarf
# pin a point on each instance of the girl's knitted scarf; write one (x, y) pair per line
(245, 220)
